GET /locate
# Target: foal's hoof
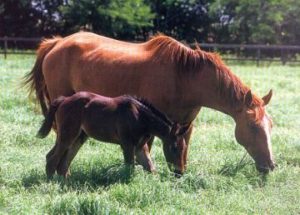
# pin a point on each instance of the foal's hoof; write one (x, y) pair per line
(150, 168)
(64, 172)
(49, 171)
(153, 171)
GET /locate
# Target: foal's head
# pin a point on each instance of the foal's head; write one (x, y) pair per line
(253, 131)
(174, 147)
(170, 133)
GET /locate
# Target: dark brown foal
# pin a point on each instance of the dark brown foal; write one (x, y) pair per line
(124, 120)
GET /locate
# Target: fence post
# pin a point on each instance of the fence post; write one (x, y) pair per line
(283, 56)
(257, 57)
(5, 47)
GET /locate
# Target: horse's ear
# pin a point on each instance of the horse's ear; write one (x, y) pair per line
(267, 97)
(248, 99)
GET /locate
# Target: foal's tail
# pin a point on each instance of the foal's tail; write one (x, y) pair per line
(49, 117)
(35, 79)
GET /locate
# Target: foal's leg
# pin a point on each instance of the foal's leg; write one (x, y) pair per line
(51, 152)
(128, 152)
(143, 156)
(65, 162)
(54, 156)
(67, 133)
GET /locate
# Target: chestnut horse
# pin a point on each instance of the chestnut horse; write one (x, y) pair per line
(124, 120)
(174, 78)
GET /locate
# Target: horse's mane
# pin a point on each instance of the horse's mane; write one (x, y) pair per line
(189, 60)
(157, 113)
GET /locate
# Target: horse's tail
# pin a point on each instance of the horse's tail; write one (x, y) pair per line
(49, 117)
(35, 79)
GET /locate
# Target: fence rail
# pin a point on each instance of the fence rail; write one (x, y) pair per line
(239, 52)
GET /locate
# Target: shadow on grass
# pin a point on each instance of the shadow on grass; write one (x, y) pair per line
(231, 169)
(253, 176)
(92, 178)
(104, 176)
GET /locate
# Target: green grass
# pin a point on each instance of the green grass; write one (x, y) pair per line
(215, 182)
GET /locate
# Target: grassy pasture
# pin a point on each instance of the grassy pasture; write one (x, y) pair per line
(216, 181)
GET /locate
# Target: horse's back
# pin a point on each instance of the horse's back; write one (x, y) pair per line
(90, 43)
(107, 65)
(89, 62)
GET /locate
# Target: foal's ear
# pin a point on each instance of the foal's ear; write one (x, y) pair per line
(267, 97)
(248, 99)
(183, 129)
(179, 130)
(175, 128)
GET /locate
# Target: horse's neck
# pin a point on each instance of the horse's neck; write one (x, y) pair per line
(226, 101)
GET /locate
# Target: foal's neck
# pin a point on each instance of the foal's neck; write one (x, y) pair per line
(157, 126)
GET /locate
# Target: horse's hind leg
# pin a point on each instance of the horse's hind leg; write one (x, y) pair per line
(65, 162)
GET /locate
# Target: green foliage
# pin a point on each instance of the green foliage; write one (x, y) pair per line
(261, 22)
(118, 18)
(29, 18)
(216, 182)
(184, 19)
(131, 17)
(220, 21)
(77, 15)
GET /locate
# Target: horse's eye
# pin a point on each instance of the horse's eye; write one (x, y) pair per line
(254, 128)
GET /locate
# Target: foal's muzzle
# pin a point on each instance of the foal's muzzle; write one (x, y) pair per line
(176, 170)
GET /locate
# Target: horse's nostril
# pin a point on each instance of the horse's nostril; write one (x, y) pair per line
(263, 169)
(272, 166)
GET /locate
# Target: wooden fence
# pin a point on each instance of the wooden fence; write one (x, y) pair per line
(238, 52)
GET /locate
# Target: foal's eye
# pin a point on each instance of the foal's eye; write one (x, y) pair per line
(174, 149)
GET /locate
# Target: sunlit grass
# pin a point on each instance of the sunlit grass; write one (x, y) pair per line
(217, 181)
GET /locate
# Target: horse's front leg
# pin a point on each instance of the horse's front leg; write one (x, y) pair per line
(187, 138)
(143, 155)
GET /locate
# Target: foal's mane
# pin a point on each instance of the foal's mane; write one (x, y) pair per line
(150, 108)
(189, 60)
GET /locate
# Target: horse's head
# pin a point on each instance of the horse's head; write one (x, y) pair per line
(174, 147)
(253, 131)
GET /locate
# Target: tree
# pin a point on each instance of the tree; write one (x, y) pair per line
(17, 17)
(183, 19)
(256, 21)
(118, 18)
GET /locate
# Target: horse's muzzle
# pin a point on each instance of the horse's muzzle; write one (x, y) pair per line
(265, 167)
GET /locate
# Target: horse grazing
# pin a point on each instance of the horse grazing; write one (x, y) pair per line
(173, 77)
(124, 120)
